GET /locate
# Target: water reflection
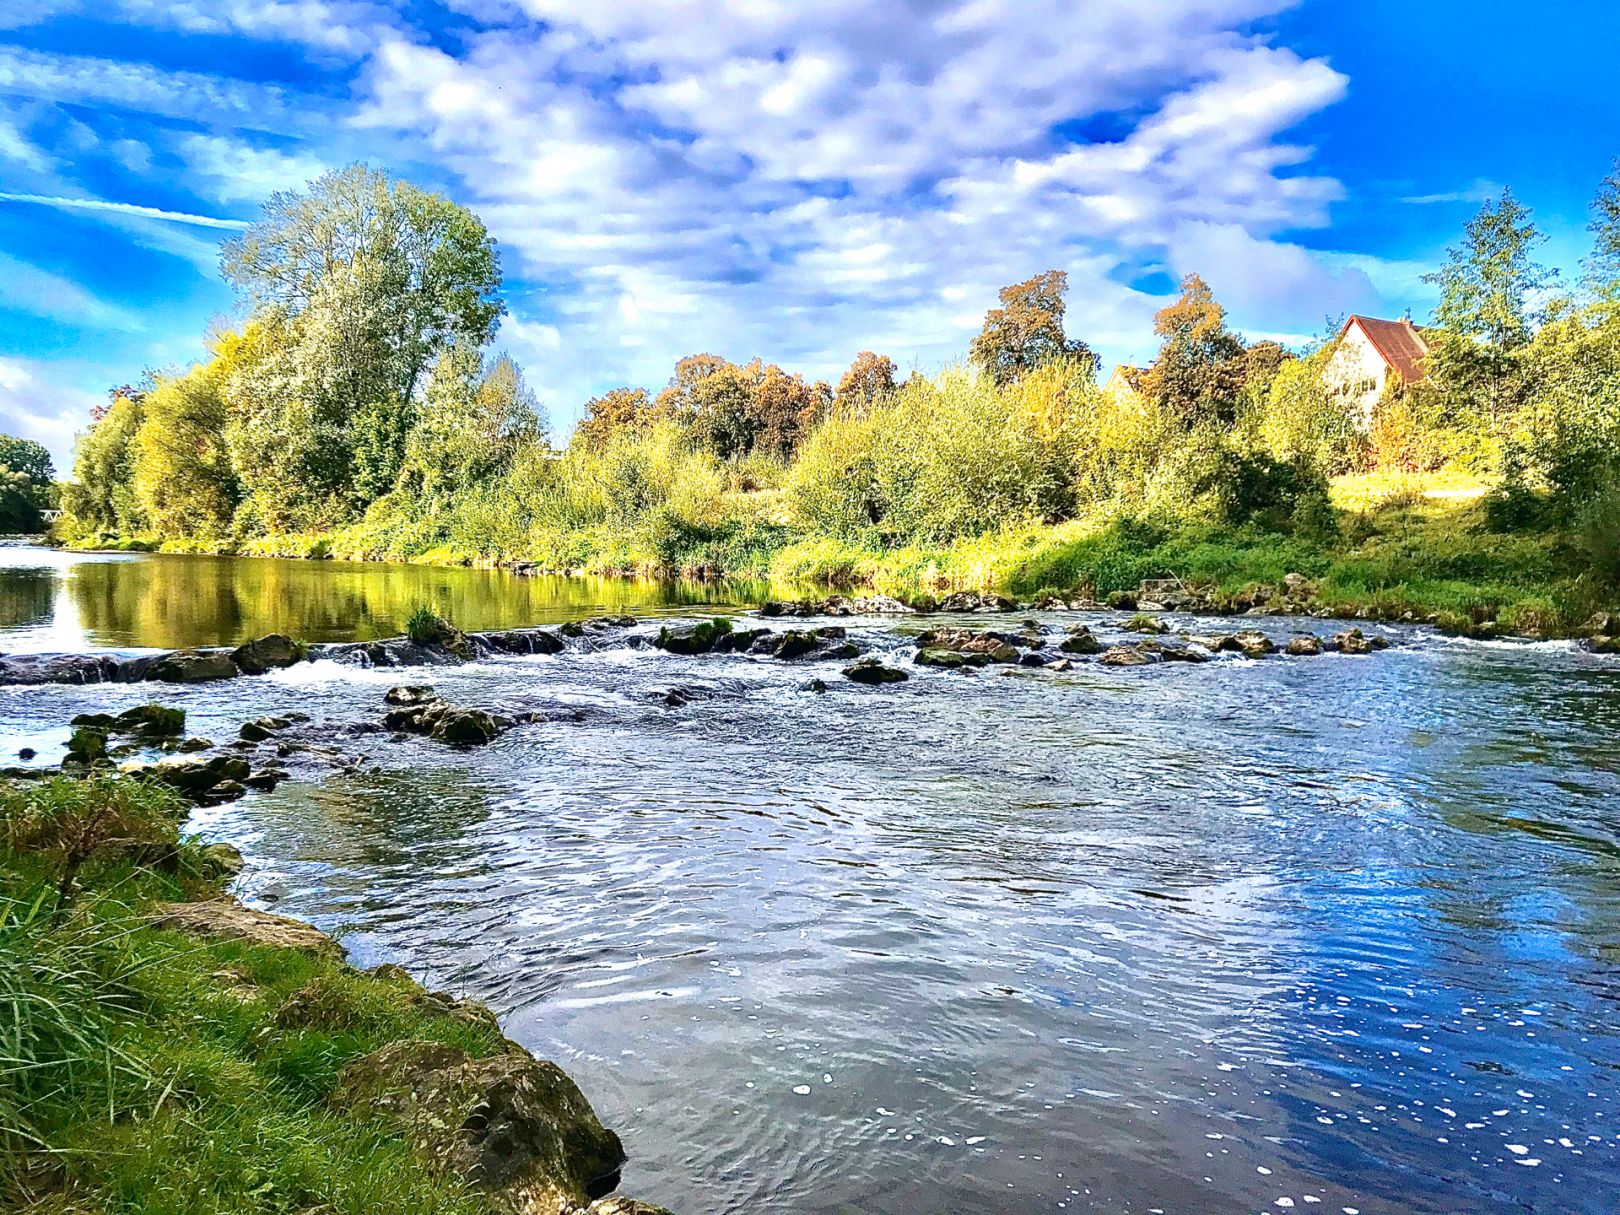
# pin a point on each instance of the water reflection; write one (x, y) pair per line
(63, 601)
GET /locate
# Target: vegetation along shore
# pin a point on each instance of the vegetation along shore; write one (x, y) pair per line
(1469, 473)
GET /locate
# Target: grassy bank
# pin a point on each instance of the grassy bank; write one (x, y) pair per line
(1419, 544)
(145, 1071)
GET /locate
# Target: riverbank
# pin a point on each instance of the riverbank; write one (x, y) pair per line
(172, 1050)
(1418, 550)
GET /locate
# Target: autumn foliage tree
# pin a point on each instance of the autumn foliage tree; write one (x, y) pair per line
(1202, 366)
(870, 378)
(1027, 330)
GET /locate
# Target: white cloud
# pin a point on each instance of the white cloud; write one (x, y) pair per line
(793, 180)
(37, 292)
(35, 404)
(123, 208)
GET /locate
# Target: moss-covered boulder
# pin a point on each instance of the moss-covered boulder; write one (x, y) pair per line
(693, 638)
(514, 1127)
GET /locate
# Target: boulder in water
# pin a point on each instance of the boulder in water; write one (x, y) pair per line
(977, 601)
(871, 671)
(512, 1126)
(410, 694)
(1304, 647)
(1125, 656)
(193, 666)
(268, 653)
(1081, 640)
(693, 638)
(1143, 623)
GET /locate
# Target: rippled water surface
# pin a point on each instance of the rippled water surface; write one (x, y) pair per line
(1335, 934)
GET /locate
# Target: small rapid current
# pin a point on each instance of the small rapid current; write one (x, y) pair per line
(1332, 934)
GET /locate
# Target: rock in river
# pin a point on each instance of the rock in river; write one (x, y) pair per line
(194, 666)
(512, 1126)
(1124, 656)
(693, 638)
(871, 671)
(268, 653)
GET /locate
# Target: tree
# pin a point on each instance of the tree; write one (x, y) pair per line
(181, 467)
(27, 457)
(101, 497)
(869, 379)
(785, 407)
(615, 410)
(1202, 365)
(1487, 288)
(372, 280)
(1027, 330)
(1488, 282)
(476, 416)
(1603, 267)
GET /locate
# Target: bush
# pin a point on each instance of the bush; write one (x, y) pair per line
(1597, 533)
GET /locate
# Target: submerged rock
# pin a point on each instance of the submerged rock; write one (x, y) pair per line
(271, 652)
(194, 666)
(514, 1127)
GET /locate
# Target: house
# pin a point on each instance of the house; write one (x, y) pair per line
(1124, 387)
(1370, 354)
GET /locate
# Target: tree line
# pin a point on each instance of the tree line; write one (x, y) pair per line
(359, 398)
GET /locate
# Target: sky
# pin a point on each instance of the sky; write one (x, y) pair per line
(799, 181)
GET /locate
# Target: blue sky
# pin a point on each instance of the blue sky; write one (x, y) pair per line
(790, 180)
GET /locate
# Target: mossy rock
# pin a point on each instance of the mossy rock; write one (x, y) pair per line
(693, 638)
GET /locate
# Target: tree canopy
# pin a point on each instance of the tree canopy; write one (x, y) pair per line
(1027, 330)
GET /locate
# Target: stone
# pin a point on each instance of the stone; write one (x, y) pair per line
(793, 643)
(1254, 644)
(693, 638)
(264, 780)
(87, 745)
(1124, 656)
(229, 920)
(880, 605)
(977, 601)
(268, 653)
(1081, 640)
(1143, 623)
(779, 607)
(624, 1206)
(22, 669)
(221, 860)
(464, 727)
(994, 647)
(153, 720)
(815, 685)
(871, 671)
(512, 1126)
(224, 791)
(1304, 647)
(1166, 652)
(1351, 641)
(950, 660)
(738, 640)
(193, 666)
(410, 694)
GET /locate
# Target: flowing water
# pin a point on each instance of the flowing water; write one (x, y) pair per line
(1333, 934)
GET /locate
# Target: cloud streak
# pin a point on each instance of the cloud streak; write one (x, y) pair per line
(123, 208)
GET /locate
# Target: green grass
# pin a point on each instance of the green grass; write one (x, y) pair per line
(147, 1072)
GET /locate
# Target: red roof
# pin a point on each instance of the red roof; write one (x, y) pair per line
(1398, 342)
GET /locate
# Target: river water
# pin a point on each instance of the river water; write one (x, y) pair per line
(1333, 934)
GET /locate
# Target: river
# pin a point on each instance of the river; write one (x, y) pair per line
(1332, 934)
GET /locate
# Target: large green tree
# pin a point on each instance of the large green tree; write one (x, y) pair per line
(1490, 288)
(25, 483)
(369, 280)
(1603, 266)
(1027, 330)
(1202, 365)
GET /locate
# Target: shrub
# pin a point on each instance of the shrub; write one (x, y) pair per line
(1597, 533)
